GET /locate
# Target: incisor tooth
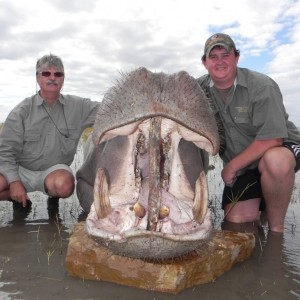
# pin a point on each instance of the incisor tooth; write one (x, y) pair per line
(164, 212)
(139, 210)
(101, 199)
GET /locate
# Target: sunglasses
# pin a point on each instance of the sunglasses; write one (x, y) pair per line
(48, 73)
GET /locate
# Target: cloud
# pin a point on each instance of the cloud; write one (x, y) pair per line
(98, 39)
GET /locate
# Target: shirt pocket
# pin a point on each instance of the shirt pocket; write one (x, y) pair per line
(32, 143)
(69, 141)
(243, 121)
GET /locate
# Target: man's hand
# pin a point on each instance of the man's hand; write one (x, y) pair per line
(228, 175)
(18, 192)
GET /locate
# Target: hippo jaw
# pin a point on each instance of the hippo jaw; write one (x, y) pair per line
(152, 208)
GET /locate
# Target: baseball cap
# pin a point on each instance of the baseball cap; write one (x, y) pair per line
(219, 39)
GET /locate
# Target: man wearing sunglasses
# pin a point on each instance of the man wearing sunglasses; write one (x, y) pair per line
(39, 138)
(262, 150)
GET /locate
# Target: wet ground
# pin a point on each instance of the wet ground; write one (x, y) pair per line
(33, 249)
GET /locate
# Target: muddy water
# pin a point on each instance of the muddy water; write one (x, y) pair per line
(33, 249)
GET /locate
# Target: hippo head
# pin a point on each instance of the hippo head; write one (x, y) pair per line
(143, 179)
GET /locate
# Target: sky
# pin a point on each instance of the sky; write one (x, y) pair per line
(99, 39)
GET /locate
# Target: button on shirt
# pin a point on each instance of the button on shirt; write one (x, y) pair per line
(254, 110)
(38, 139)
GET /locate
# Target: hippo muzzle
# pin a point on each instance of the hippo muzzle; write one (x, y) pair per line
(143, 180)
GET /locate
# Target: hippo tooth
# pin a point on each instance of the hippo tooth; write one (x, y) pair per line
(139, 210)
(164, 212)
(200, 199)
(101, 199)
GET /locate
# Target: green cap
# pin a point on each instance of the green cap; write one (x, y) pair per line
(219, 39)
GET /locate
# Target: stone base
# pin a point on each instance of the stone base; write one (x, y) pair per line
(87, 260)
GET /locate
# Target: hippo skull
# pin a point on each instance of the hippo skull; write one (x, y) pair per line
(143, 180)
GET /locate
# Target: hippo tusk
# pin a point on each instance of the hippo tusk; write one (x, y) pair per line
(200, 198)
(101, 199)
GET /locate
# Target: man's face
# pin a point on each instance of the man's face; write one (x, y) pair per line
(50, 79)
(221, 65)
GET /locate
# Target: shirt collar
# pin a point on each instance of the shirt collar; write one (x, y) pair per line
(236, 81)
(40, 100)
(241, 77)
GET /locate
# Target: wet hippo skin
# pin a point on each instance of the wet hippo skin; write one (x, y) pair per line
(143, 180)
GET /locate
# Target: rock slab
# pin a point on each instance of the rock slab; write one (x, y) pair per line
(87, 260)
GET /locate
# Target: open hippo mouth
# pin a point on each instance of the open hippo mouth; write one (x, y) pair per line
(146, 169)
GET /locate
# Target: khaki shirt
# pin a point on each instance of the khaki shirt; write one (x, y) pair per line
(254, 110)
(38, 139)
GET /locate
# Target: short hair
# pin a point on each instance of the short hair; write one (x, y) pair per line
(49, 60)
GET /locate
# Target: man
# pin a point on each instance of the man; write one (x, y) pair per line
(262, 152)
(39, 138)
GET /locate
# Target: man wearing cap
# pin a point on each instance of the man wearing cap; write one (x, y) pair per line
(262, 151)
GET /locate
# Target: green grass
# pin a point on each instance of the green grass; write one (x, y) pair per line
(86, 133)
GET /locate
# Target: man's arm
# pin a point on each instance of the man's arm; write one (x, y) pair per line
(11, 143)
(251, 154)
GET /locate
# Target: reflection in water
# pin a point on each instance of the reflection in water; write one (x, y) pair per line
(68, 212)
(275, 270)
(32, 260)
(30, 241)
(33, 248)
(274, 277)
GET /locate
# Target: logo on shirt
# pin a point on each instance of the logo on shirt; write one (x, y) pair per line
(241, 109)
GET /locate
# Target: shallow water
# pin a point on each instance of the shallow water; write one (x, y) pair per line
(33, 250)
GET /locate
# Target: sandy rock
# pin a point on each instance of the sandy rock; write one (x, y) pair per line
(87, 260)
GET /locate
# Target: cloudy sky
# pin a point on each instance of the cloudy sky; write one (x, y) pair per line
(97, 39)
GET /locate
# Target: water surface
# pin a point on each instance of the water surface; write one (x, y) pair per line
(33, 250)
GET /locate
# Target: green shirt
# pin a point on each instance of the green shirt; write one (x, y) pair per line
(37, 136)
(254, 110)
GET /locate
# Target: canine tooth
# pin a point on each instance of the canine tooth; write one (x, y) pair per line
(101, 199)
(200, 199)
(164, 212)
(139, 210)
